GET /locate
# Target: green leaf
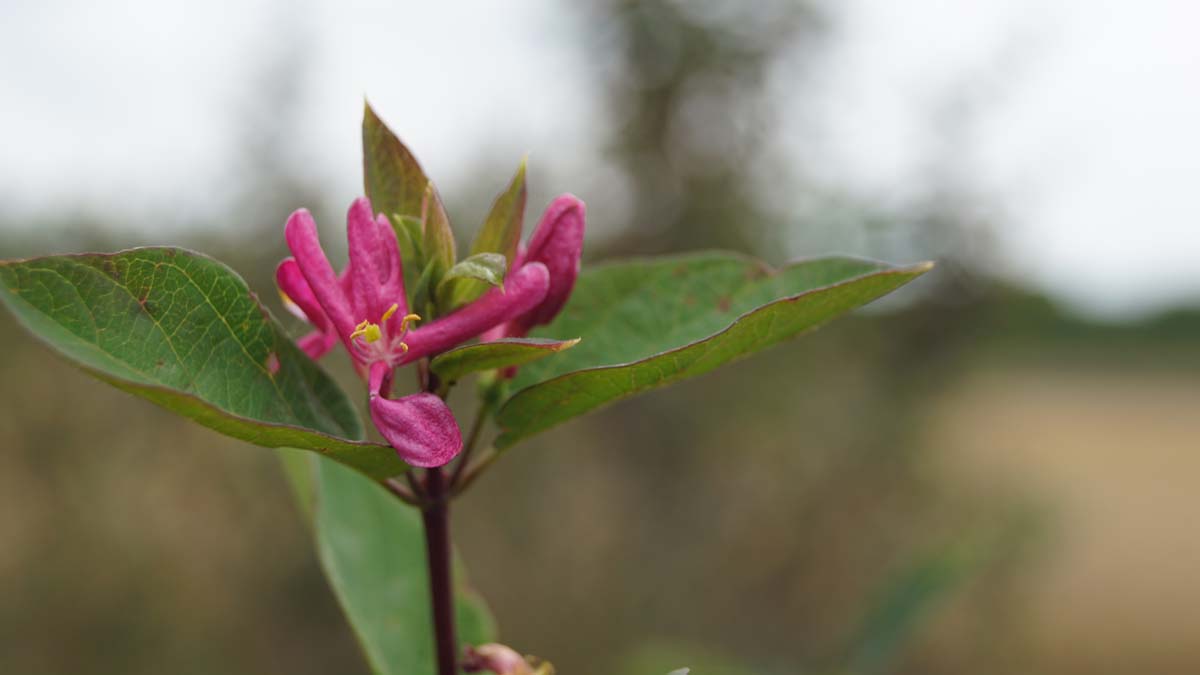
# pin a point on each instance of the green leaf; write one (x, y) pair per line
(501, 231)
(649, 323)
(395, 184)
(454, 364)
(183, 331)
(469, 279)
(372, 548)
(438, 245)
(421, 296)
(392, 177)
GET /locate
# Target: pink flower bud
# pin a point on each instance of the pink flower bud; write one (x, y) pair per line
(557, 243)
(495, 658)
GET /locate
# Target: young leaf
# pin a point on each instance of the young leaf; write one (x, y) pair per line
(372, 548)
(392, 177)
(461, 361)
(469, 279)
(183, 331)
(421, 298)
(501, 231)
(438, 244)
(411, 237)
(394, 182)
(650, 323)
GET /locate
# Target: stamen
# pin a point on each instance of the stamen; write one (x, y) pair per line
(407, 318)
(390, 311)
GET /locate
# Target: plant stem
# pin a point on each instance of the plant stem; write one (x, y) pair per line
(436, 515)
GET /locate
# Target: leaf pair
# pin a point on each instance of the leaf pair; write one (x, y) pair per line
(184, 331)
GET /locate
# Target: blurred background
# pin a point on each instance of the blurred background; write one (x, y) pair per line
(992, 472)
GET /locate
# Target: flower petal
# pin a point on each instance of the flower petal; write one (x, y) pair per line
(420, 427)
(301, 234)
(362, 233)
(522, 291)
(557, 243)
(293, 285)
(316, 344)
(392, 285)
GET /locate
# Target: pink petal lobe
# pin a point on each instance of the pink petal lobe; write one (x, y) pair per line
(523, 290)
(362, 233)
(301, 235)
(392, 287)
(317, 344)
(420, 427)
(291, 281)
(558, 244)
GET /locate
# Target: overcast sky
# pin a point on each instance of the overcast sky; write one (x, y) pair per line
(1091, 140)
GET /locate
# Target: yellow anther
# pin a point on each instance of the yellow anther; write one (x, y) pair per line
(388, 314)
(367, 331)
(407, 318)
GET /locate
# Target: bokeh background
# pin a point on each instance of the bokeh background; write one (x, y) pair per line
(993, 472)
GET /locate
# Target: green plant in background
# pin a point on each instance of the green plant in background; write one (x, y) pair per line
(185, 332)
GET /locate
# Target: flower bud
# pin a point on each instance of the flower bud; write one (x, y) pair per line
(557, 243)
(495, 658)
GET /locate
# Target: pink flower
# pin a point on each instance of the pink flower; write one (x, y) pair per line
(367, 311)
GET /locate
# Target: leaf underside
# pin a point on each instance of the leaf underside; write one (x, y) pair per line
(502, 353)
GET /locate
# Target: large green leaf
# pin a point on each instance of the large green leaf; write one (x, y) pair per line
(372, 548)
(649, 323)
(182, 330)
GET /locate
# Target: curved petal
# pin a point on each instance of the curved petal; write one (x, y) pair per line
(316, 344)
(522, 291)
(295, 288)
(301, 234)
(362, 234)
(557, 243)
(420, 427)
(392, 284)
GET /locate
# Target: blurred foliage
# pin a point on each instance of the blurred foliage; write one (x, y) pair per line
(755, 519)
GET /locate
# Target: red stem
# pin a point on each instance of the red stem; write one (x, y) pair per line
(436, 515)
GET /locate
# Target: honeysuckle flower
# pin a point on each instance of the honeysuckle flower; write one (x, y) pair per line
(367, 311)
